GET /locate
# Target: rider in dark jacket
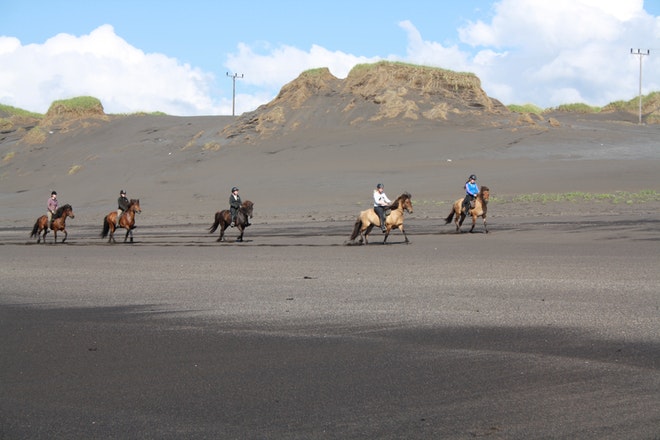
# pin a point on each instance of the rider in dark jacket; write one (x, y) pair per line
(234, 205)
(122, 205)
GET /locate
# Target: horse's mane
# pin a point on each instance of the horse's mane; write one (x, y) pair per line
(60, 210)
(405, 195)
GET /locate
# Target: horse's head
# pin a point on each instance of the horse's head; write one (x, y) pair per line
(484, 193)
(64, 211)
(69, 211)
(134, 204)
(405, 200)
(247, 208)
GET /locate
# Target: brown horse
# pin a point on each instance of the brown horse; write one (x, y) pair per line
(368, 219)
(127, 221)
(479, 210)
(57, 224)
(223, 219)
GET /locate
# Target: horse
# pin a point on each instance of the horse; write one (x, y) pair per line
(368, 219)
(479, 210)
(58, 223)
(223, 219)
(127, 221)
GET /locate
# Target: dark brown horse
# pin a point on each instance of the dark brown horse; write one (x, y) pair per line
(368, 219)
(223, 220)
(57, 224)
(127, 221)
(479, 210)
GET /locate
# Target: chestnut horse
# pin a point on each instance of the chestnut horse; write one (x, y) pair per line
(479, 210)
(127, 221)
(57, 224)
(223, 219)
(368, 219)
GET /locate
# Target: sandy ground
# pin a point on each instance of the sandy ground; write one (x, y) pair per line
(546, 327)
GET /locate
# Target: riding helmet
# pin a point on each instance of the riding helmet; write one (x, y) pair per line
(122, 192)
(53, 193)
(234, 189)
(380, 185)
(472, 176)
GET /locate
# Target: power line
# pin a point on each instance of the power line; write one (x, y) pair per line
(640, 54)
(233, 95)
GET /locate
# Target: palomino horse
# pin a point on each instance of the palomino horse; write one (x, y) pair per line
(368, 219)
(479, 210)
(127, 221)
(57, 224)
(223, 219)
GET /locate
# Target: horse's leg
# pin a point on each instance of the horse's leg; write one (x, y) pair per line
(66, 234)
(223, 226)
(403, 231)
(241, 229)
(474, 222)
(128, 231)
(485, 226)
(366, 232)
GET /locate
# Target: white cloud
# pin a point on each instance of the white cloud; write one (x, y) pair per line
(562, 51)
(105, 66)
(283, 64)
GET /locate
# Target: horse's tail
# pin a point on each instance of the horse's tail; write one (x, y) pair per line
(106, 227)
(356, 229)
(450, 216)
(35, 229)
(216, 223)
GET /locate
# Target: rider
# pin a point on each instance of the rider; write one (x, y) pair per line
(122, 205)
(51, 206)
(471, 192)
(234, 205)
(381, 203)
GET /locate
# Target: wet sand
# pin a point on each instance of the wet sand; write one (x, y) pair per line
(547, 327)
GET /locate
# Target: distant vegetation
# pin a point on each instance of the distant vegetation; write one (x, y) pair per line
(650, 107)
(526, 108)
(80, 105)
(618, 197)
(577, 107)
(9, 111)
(447, 74)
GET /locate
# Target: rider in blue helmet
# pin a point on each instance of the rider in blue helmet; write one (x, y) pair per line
(471, 192)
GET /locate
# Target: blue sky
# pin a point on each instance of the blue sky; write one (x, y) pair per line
(173, 56)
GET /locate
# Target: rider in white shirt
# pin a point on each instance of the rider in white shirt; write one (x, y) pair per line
(381, 203)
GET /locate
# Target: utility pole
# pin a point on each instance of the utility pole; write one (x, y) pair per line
(640, 54)
(233, 95)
